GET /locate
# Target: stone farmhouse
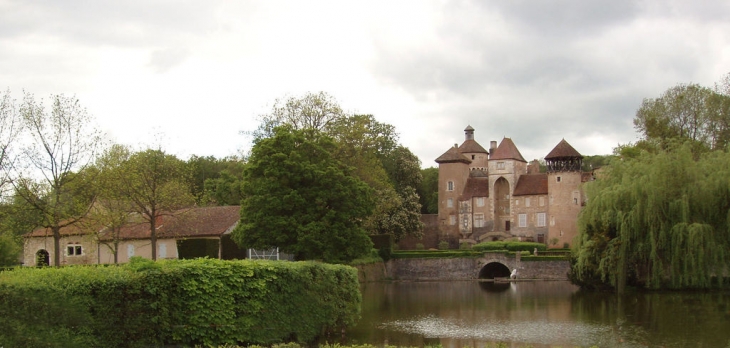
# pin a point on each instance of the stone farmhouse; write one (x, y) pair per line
(186, 233)
(496, 195)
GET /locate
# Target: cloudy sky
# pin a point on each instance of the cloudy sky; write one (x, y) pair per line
(191, 75)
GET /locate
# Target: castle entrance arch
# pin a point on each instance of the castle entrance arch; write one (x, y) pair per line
(501, 205)
(494, 270)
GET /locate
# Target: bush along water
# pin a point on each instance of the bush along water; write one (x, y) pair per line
(177, 302)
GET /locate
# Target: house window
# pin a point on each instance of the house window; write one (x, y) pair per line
(517, 201)
(522, 220)
(500, 165)
(480, 201)
(527, 202)
(130, 250)
(74, 250)
(452, 220)
(478, 220)
(450, 186)
(450, 203)
(540, 219)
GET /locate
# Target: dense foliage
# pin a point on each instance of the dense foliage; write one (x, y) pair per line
(208, 302)
(657, 221)
(299, 198)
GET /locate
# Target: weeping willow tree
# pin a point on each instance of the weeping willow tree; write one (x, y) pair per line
(657, 221)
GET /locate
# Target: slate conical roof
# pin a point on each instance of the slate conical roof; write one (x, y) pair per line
(563, 150)
(507, 150)
(453, 156)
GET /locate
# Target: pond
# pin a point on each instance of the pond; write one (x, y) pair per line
(537, 314)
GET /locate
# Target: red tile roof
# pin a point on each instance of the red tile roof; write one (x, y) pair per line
(471, 146)
(475, 187)
(186, 223)
(563, 150)
(531, 184)
(81, 227)
(507, 150)
(453, 156)
(192, 222)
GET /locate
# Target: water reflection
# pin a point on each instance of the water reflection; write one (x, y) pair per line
(540, 314)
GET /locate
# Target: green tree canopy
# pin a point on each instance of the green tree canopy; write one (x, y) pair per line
(661, 220)
(686, 112)
(428, 190)
(299, 198)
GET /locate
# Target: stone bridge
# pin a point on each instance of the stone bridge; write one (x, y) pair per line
(489, 266)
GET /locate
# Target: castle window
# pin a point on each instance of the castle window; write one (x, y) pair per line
(552, 221)
(472, 156)
(450, 186)
(500, 165)
(522, 220)
(540, 219)
(74, 250)
(480, 201)
(452, 219)
(527, 202)
(450, 203)
(478, 220)
(557, 178)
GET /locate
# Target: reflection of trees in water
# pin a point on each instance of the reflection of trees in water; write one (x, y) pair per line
(494, 286)
(673, 319)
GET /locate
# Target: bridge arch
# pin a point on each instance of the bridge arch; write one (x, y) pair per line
(494, 269)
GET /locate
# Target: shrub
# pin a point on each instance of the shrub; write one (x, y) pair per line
(465, 246)
(511, 246)
(419, 246)
(181, 302)
(443, 245)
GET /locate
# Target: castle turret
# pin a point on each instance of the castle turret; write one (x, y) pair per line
(565, 195)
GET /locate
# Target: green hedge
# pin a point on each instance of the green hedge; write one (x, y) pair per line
(511, 246)
(176, 302)
(418, 254)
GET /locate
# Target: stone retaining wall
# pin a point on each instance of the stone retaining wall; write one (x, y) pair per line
(458, 269)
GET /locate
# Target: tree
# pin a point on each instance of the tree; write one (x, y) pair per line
(156, 184)
(10, 126)
(216, 181)
(686, 113)
(428, 191)
(113, 206)
(64, 143)
(299, 198)
(656, 221)
(314, 111)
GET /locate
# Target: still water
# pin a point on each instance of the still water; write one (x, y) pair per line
(537, 314)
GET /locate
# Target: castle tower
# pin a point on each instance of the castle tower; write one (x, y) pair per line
(453, 175)
(473, 151)
(565, 197)
(506, 164)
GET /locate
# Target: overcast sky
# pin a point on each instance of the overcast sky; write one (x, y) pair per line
(190, 75)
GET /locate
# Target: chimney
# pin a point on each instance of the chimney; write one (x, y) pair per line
(469, 133)
(492, 147)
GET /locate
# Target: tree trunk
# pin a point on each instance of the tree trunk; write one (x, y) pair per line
(153, 236)
(56, 246)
